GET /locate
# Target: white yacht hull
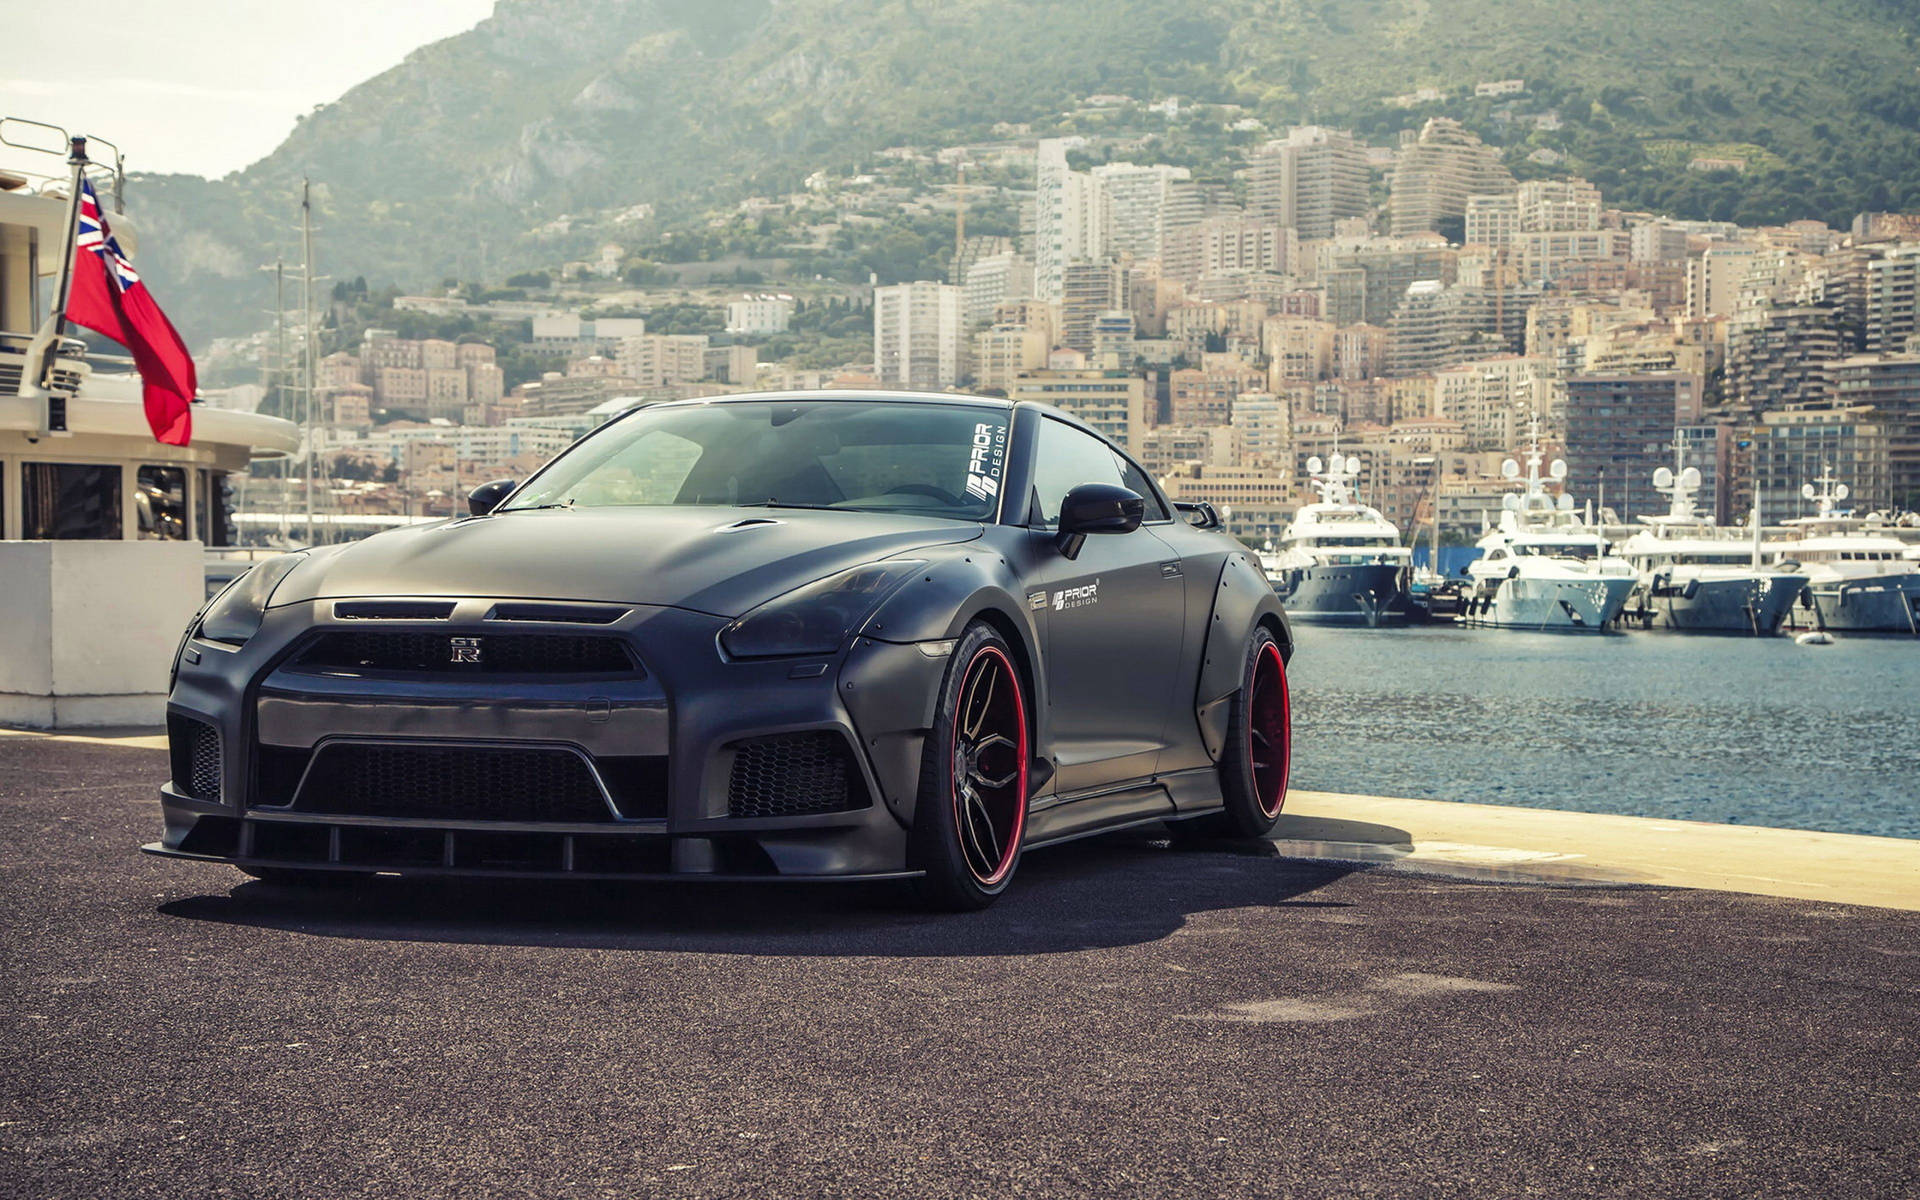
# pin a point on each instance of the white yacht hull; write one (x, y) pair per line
(1587, 604)
(1878, 604)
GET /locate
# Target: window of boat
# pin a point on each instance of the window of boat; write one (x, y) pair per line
(70, 501)
(941, 460)
(160, 503)
(1577, 550)
(213, 515)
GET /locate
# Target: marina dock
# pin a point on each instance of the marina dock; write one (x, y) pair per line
(1397, 998)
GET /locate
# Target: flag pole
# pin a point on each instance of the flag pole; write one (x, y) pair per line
(77, 159)
(44, 348)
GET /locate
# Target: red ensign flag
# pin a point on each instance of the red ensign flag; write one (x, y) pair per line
(107, 297)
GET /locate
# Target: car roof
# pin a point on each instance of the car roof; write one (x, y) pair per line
(838, 394)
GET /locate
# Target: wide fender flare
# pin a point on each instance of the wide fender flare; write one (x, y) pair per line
(938, 604)
(1242, 599)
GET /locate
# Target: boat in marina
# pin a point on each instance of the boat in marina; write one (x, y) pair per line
(103, 529)
(1541, 568)
(1701, 577)
(1338, 560)
(1859, 577)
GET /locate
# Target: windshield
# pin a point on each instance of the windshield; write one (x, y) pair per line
(939, 460)
(1580, 550)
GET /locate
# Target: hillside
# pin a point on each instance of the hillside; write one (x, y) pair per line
(447, 164)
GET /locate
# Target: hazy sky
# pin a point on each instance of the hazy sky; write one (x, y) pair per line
(204, 86)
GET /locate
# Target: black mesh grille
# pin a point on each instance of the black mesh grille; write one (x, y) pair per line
(497, 653)
(195, 747)
(471, 783)
(793, 774)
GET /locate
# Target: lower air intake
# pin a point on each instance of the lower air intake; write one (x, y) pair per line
(793, 775)
(195, 749)
(466, 783)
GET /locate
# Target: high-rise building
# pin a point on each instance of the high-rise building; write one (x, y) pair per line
(1206, 396)
(1892, 300)
(1781, 357)
(1491, 399)
(1714, 278)
(1790, 449)
(1553, 205)
(1224, 244)
(1137, 202)
(1889, 385)
(993, 281)
(1492, 220)
(1003, 352)
(1435, 174)
(1113, 402)
(1620, 431)
(1309, 180)
(919, 335)
(1069, 218)
(1088, 289)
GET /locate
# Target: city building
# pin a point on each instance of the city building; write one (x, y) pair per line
(1435, 174)
(1791, 449)
(1619, 430)
(1139, 204)
(1307, 182)
(1888, 385)
(919, 335)
(1111, 401)
(760, 315)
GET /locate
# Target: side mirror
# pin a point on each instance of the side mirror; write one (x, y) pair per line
(487, 497)
(1097, 508)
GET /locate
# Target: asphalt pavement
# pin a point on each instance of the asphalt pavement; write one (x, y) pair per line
(1131, 1020)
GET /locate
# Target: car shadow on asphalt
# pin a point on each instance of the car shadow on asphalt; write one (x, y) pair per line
(1120, 889)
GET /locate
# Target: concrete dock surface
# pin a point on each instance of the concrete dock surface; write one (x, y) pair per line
(1482, 1001)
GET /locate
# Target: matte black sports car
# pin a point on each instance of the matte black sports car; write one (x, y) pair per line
(784, 636)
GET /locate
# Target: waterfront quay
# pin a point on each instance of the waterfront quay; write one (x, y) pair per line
(1478, 1009)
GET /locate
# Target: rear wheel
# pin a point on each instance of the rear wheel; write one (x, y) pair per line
(1253, 768)
(972, 808)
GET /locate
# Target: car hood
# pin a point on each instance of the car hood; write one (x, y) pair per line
(722, 561)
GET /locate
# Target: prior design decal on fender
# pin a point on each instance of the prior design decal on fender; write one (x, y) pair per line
(989, 453)
(1083, 596)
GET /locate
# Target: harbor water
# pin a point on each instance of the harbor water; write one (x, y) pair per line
(1729, 729)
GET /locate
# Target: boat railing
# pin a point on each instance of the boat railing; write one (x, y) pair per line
(38, 137)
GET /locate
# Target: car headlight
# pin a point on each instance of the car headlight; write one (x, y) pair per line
(236, 614)
(816, 618)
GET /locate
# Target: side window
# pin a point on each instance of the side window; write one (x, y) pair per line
(1134, 479)
(1064, 459)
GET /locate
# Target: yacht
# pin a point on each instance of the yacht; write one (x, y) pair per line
(1858, 574)
(1698, 576)
(105, 533)
(1541, 568)
(1340, 561)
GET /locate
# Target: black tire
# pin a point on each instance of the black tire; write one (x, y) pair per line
(971, 813)
(301, 878)
(1253, 768)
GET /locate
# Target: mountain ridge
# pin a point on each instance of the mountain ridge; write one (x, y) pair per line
(446, 163)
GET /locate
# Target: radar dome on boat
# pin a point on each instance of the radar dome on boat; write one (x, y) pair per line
(1842, 492)
(1690, 478)
(1663, 478)
(1353, 464)
(1510, 469)
(1565, 502)
(1806, 489)
(1314, 465)
(1510, 502)
(1559, 468)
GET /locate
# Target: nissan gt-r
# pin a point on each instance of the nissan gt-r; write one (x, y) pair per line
(848, 635)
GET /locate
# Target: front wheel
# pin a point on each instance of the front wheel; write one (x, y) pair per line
(1253, 767)
(972, 808)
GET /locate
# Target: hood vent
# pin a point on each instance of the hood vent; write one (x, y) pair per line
(575, 614)
(748, 523)
(392, 610)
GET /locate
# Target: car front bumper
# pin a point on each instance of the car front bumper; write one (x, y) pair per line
(252, 727)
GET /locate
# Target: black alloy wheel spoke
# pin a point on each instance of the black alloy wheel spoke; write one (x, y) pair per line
(988, 807)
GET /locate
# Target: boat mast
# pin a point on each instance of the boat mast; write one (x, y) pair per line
(306, 290)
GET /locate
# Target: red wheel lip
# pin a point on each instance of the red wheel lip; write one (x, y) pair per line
(1270, 652)
(953, 743)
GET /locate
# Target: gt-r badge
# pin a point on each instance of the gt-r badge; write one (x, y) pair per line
(466, 650)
